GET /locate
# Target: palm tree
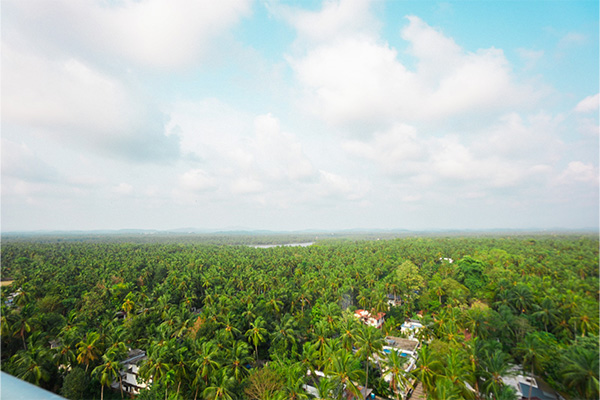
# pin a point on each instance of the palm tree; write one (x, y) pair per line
(236, 359)
(534, 353)
(256, 334)
(295, 375)
(128, 306)
(348, 328)
(344, 371)
(495, 366)
(437, 287)
(249, 313)
(108, 372)
(585, 320)
(325, 387)
(20, 325)
(220, 387)
(546, 312)
(64, 356)
(370, 343)
(206, 363)
(180, 366)
(581, 372)
(229, 327)
(155, 366)
(115, 340)
(284, 335)
(427, 367)
(88, 350)
(331, 312)
(32, 364)
(445, 390)
(457, 371)
(321, 332)
(520, 298)
(394, 367)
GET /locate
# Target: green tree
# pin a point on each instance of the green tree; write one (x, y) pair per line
(75, 385)
(427, 369)
(344, 371)
(370, 343)
(284, 335)
(580, 372)
(237, 358)
(220, 387)
(533, 350)
(256, 333)
(32, 365)
(496, 365)
(470, 272)
(108, 372)
(89, 350)
(394, 367)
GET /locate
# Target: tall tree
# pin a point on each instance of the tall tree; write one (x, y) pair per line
(108, 372)
(370, 343)
(580, 372)
(256, 334)
(344, 370)
(427, 368)
(220, 387)
(89, 350)
(394, 368)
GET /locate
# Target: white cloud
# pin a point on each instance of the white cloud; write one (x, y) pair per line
(589, 104)
(337, 186)
(20, 162)
(78, 105)
(122, 189)
(154, 33)
(577, 171)
(571, 39)
(397, 151)
(357, 81)
(535, 138)
(279, 154)
(246, 185)
(336, 19)
(512, 153)
(530, 57)
(197, 180)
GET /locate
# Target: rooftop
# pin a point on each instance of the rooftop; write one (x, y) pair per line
(401, 343)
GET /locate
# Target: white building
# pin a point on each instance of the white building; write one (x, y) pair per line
(374, 320)
(411, 328)
(129, 374)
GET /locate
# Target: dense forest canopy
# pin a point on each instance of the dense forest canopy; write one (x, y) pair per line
(235, 321)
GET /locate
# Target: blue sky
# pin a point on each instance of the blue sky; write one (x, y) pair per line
(291, 115)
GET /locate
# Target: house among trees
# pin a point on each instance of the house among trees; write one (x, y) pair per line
(393, 301)
(374, 320)
(411, 328)
(129, 373)
(314, 383)
(523, 385)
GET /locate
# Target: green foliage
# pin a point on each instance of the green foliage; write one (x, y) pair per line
(76, 384)
(471, 273)
(209, 314)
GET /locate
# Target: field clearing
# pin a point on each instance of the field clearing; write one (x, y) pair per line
(6, 283)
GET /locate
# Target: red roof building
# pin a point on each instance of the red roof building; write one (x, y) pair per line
(374, 320)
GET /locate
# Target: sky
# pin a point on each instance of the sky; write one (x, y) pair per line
(293, 115)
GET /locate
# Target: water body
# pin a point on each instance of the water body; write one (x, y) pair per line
(266, 246)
